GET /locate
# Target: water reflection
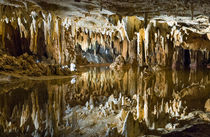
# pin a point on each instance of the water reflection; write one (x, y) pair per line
(32, 108)
(89, 104)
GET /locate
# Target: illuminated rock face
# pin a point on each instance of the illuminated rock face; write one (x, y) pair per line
(207, 105)
(36, 32)
(160, 41)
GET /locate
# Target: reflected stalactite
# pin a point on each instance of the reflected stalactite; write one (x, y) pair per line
(40, 111)
(53, 107)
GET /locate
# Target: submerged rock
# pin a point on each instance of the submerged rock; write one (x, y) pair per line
(205, 116)
(132, 62)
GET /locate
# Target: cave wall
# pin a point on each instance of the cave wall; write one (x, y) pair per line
(165, 44)
(36, 32)
(159, 43)
(54, 39)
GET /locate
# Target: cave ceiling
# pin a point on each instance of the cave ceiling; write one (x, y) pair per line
(123, 7)
(96, 13)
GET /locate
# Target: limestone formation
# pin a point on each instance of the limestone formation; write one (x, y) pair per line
(207, 105)
(153, 48)
(54, 39)
(30, 66)
(118, 63)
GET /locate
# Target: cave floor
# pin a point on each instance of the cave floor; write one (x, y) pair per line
(97, 99)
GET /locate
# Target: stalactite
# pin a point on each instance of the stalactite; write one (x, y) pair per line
(2, 33)
(141, 57)
(125, 48)
(157, 44)
(147, 42)
(133, 48)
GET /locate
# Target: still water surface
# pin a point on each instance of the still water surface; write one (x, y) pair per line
(80, 106)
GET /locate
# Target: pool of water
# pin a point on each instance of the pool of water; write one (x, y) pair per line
(98, 99)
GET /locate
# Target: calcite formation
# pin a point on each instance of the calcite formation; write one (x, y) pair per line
(36, 32)
(138, 39)
(53, 38)
(118, 63)
(207, 105)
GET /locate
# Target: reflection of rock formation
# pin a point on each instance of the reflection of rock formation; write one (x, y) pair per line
(157, 100)
(35, 110)
(100, 99)
(163, 84)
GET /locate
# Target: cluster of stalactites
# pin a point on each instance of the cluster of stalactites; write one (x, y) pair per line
(34, 112)
(46, 34)
(156, 43)
(38, 32)
(162, 43)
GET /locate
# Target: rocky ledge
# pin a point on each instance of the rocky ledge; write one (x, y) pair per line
(30, 66)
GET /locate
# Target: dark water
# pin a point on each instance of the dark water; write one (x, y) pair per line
(160, 99)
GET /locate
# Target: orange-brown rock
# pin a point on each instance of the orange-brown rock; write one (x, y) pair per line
(118, 63)
(207, 105)
(30, 66)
